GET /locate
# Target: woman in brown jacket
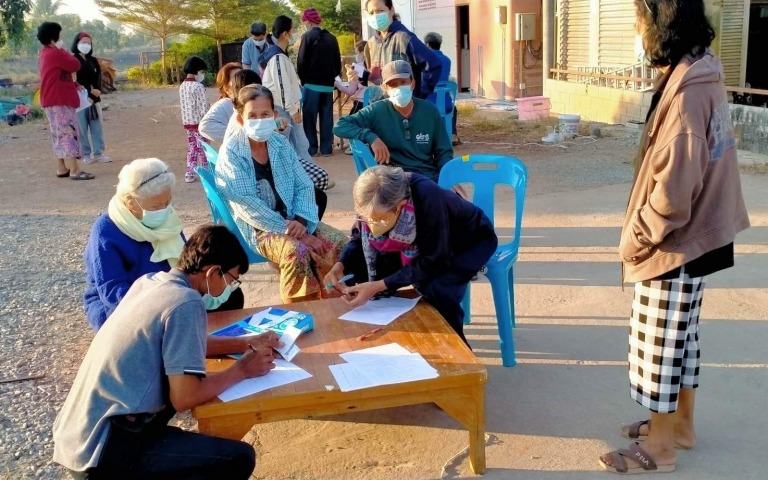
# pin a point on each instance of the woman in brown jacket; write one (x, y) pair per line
(684, 212)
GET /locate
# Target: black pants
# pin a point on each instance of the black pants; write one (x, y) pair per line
(161, 452)
(356, 107)
(455, 116)
(321, 199)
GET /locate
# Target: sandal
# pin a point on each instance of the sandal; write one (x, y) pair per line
(647, 465)
(81, 175)
(63, 175)
(633, 433)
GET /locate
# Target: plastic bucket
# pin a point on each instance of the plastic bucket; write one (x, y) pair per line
(569, 125)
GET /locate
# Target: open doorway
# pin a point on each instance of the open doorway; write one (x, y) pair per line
(757, 68)
(462, 28)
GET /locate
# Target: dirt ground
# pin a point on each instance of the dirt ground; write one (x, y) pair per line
(548, 417)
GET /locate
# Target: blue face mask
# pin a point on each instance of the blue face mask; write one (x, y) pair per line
(400, 96)
(379, 21)
(211, 302)
(155, 218)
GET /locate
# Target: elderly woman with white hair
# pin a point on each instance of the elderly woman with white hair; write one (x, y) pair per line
(139, 234)
(412, 232)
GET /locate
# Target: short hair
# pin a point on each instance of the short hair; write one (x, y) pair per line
(212, 245)
(281, 25)
(380, 189)
(144, 178)
(48, 32)
(673, 29)
(252, 92)
(194, 64)
(434, 40)
(243, 78)
(222, 78)
(258, 29)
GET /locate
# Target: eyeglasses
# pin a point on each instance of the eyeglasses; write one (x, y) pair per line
(407, 128)
(235, 282)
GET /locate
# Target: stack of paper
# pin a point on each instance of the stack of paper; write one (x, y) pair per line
(382, 311)
(284, 373)
(384, 365)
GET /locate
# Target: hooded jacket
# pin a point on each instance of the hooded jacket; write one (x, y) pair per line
(686, 200)
(401, 44)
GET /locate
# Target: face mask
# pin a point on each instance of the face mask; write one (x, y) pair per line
(359, 58)
(211, 302)
(294, 38)
(200, 77)
(60, 43)
(260, 43)
(260, 129)
(84, 48)
(155, 218)
(401, 95)
(379, 21)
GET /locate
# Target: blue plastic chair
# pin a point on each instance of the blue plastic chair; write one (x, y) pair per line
(362, 156)
(221, 215)
(484, 172)
(211, 154)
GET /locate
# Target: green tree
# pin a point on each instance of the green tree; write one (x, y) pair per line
(346, 21)
(12, 20)
(159, 18)
(45, 9)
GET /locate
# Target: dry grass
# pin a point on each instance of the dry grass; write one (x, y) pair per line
(501, 127)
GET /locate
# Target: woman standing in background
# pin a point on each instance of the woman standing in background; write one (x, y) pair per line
(89, 77)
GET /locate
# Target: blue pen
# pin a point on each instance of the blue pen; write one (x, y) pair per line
(343, 279)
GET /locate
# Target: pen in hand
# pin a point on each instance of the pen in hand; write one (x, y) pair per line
(343, 279)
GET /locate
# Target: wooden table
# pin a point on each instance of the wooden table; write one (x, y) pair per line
(459, 390)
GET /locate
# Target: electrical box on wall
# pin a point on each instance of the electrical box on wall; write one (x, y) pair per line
(525, 27)
(501, 14)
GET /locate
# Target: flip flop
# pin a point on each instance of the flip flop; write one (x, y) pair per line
(81, 175)
(647, 464)
(633, 433)
(63, 175)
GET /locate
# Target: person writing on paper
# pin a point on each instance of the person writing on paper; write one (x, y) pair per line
(147, 363)
(412, 232)
(272, 198)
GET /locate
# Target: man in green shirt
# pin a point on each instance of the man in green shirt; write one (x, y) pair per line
(405, 132)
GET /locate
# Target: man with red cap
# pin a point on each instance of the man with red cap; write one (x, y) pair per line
(319, 63)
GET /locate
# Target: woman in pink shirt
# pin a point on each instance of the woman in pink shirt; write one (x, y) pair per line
(60, 100)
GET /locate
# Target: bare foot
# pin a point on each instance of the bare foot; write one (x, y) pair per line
(685, 437)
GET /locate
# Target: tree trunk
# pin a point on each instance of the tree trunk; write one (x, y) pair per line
(162, 60)
(218, 47)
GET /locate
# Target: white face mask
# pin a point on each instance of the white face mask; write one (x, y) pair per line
(260, 129)
(60, 43)
(83, 48)
(200, 77)
(260, 43)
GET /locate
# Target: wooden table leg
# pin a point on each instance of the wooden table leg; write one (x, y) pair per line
(468, 408)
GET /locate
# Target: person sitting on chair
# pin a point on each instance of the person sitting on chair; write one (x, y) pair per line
(405, 132)
(272, 198)
(412, 232)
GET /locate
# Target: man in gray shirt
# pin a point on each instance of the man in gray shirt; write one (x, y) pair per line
(147, 362)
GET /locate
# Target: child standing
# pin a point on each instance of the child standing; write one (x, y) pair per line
(194, 104)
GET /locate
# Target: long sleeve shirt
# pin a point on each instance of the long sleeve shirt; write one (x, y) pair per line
(427, 150)
(251, 201)
(193, 102)
(89, 75)
(57, 89)
(446, 225)
(113, 261)
(284, 84)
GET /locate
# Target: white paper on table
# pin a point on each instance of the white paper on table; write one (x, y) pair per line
(284, 373)
(289, 349)
(84, 103)
(382, 311)
(382, 370)
(368, 353)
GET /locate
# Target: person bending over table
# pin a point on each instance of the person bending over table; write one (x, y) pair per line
(412, 232)
(140, 233)
(147, 363)
(405, 132)
(272, 200)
